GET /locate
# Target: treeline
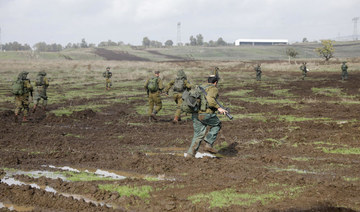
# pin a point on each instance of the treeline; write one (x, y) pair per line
(198, 40)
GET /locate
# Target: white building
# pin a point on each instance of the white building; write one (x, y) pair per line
(253, 42)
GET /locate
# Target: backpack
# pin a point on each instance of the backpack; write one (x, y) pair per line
(179, 85)
(153, 84)
(194, 100)
(17, 87)
(39, 80)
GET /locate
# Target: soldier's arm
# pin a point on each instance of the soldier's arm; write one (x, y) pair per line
(46, 82)
(212, 94)
(187, 84)
(161, 86)
(146, 84)
(171, 83)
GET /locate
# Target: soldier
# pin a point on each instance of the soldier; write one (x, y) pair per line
(304, 70)
(153, 87)
(207, 118)
(344, 68)
(107, 75)
(22, 89)
(41, 84)
(180, 85)
(258, 72)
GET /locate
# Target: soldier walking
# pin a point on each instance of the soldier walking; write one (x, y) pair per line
(304, 70)
(22, 89)
(107, 75)
(41, 85)
(180, 85)
(207, 117)
(154, 87)
(344, 68)
(258, 72)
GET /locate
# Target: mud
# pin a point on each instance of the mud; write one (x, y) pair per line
(287, 161)
(118, 55)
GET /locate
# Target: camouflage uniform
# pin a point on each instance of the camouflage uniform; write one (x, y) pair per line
(206, 118)
(344, 68)
(177, 96)
(40, 91)
(304, 70)
(258, 72)
(22, 101)
(154, 97)
(107, 75)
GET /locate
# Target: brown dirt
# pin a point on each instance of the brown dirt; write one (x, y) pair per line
(252, 161)
(118, 55)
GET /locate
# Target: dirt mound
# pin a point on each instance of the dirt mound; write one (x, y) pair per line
(83, 114)
(120, 55)
(166, 55)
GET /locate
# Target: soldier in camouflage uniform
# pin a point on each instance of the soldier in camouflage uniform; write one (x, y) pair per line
(154, 87)
(107, 75)
(180, 85)
(41, 85)
(22, 101)
(344, 68)
(207, 118)
(258, 72)
(304, 70)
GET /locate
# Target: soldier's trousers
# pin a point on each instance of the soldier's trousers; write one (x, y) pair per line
(22, 103)
(200, 122)
(154, 99)
(344, 75)
(40, 93)
(108, 83)
(258, 76)
(178, 100)
(304, 75)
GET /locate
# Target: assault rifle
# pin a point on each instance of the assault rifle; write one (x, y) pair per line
(227, 109)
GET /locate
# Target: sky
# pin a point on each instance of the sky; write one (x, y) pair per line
(129, 21)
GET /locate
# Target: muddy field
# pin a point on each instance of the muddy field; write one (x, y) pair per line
(292, 146)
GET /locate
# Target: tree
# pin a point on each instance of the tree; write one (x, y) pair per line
(291, 52)
(327, 50)
(83, 43)
(192, 41)
(221, 42)
(146, 42)
(305, 40)
(199, 40)
(169, 43)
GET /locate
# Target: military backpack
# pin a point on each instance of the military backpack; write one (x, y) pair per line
(153, 85)
(17, 87)
(194, 100)
(179, 85)
(39, 80)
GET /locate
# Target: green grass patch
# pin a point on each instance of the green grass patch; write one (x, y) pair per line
(83, 176)
(69, 110)
(264, 100)
(290, 118)
(221, 146)
(332, 92)
(135, 124)
(73, 135)
(142, 191)
(228, 197)
(300, 158)
(282, 93)
(343, 151)
(254, 116)
(238, 93)
(351, 179)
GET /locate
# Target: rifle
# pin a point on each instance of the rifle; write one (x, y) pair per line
(227, 109)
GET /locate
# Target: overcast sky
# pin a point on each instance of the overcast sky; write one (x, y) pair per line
(64, 21)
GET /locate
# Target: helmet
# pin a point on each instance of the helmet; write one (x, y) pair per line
(23, 75)
(42, 73)
(108, 68)
(216, 73)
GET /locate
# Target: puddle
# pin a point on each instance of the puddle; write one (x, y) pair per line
(11, 181)
(37, 174)
(201, 155)
(294, 170)
(13, 207)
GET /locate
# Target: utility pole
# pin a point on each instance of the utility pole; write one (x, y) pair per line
(355, 34)
(0, 41)
(179, 34)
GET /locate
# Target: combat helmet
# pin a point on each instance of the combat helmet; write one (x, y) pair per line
(215, 73)
(42, 73)
(23, 75)
(181, 74)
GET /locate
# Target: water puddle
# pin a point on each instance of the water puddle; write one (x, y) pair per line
(13, 207)
(11, 181)
(201, 155)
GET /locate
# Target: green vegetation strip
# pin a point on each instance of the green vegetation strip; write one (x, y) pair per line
(343, 151)
(228, 197)
(142, 191)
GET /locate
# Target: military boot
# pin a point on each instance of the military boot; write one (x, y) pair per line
(34, 109)
(208, 148)
(153, 115)
(16, 118)
(25, 119)
(176, 120)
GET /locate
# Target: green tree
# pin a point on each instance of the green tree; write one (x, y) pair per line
(199, 40)
(83, 43)
(221, 42)
(291, 53)
(304, 40)
(146, 42)
(169, 43)
(192, 41)
(327, 50)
